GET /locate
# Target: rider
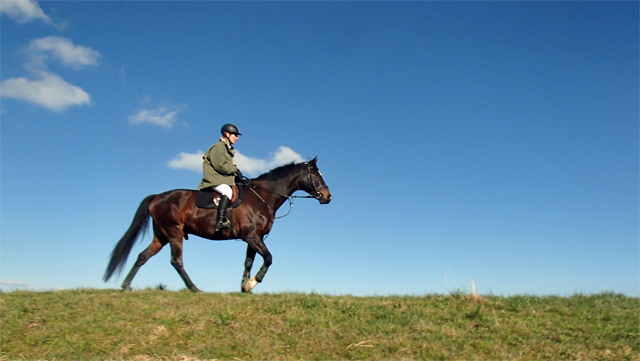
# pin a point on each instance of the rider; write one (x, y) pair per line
(219, 169)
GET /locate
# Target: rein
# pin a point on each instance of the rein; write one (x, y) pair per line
(251, 185)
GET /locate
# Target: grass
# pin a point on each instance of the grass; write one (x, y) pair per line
(161, 325)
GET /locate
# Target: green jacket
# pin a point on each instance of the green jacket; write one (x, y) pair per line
(218, 166)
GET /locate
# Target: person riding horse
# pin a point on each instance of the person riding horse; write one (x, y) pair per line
(219, 171)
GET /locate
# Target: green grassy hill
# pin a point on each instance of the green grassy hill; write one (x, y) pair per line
(162, 325)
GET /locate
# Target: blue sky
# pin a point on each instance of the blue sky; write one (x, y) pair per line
(487, 141)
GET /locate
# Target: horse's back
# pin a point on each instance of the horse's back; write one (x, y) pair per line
(174, 204)
(175, 196)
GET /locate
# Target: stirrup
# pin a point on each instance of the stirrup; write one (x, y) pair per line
(225, 224)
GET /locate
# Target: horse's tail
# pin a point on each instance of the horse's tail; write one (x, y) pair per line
(121, 250)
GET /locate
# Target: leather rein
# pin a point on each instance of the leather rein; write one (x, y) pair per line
(317, 195)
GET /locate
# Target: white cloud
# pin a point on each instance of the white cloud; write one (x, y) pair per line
(75, 56)
(45, 88)
(255, 166)
(23, 11)
(248, 165)
(12, 283)
(50, 91)
(161, 116)
(188, 161)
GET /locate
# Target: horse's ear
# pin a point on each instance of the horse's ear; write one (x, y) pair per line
(313, 161)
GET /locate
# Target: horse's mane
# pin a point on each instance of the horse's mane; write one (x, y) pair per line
(278, 173)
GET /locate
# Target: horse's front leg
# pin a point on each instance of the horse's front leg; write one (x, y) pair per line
(248, 263)
(257, 244)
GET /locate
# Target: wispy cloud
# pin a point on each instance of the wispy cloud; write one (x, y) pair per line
(13, 283)
(162, 116)
(45, 88)
(187, 161)
(23, 11)
(248, 165)
(63, 49)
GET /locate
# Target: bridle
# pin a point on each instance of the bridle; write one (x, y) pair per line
(317, 194)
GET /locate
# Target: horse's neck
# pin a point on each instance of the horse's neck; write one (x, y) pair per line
(284, 186)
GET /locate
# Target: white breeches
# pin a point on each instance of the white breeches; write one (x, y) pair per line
(224, 189)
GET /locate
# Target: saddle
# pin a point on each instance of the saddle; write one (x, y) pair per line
(208, 198)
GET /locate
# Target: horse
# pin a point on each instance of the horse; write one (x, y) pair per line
(175, 216)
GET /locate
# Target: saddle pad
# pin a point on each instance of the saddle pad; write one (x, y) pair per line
(205, 197)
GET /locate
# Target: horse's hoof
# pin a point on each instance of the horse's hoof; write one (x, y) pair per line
(126, 289)
(250, 284)
(196, 290)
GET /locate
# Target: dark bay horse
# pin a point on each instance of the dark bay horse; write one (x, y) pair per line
(175, 215)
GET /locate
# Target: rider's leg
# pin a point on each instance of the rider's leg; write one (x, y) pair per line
(226, 192)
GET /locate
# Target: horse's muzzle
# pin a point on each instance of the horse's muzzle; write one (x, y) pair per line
(324, 196)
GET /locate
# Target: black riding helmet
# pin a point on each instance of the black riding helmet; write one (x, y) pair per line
(231, 129)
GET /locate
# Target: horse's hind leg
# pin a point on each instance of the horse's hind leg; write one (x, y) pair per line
(176, 262)
(144, 256)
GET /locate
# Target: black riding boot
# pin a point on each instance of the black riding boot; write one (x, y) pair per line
(221, 221)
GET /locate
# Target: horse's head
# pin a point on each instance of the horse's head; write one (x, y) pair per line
(314, 183)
